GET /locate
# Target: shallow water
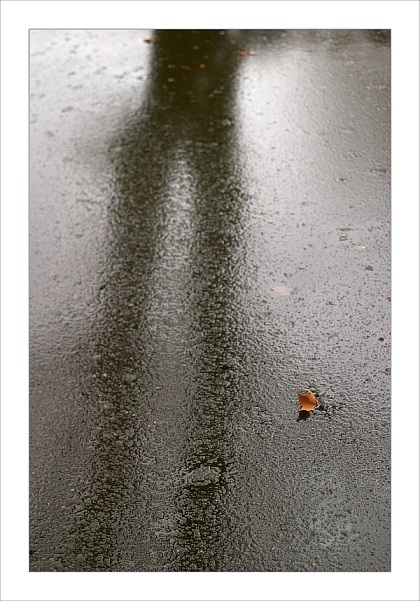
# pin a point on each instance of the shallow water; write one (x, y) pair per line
(175, 184)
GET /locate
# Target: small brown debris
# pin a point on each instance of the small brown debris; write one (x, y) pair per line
(202, 66)
(308, 401)
(149, 40)
(245, 53)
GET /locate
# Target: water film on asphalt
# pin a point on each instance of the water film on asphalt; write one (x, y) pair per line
(209, 236)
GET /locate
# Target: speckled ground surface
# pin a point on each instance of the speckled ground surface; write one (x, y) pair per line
(174, 184)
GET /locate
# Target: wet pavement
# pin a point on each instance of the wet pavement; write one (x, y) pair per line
(209, 235)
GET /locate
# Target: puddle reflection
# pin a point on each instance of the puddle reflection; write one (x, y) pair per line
(170, 327)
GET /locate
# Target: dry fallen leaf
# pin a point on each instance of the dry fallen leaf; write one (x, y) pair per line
(283, 290)
(308, 401)
(148, 40)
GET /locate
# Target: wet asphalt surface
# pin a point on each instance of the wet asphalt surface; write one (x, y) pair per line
(174, 183)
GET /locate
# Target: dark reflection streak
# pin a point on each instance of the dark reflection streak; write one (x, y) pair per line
(124, 350)
(192, 108)
(208, 122)
(215, 263)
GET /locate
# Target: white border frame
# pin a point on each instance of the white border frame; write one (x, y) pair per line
(400, 16)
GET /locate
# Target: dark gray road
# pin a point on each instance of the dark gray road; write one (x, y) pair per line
(174, 184)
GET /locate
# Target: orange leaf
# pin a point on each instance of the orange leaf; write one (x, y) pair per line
(308, 401)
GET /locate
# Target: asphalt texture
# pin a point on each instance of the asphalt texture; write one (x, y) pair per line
(177, 179)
